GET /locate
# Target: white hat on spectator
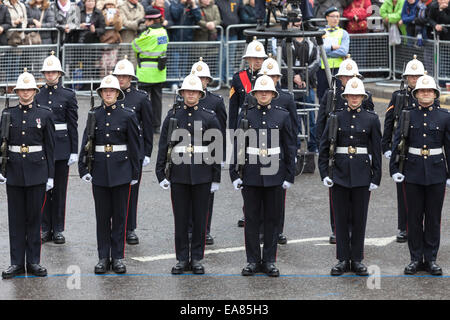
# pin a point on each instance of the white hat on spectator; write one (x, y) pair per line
(201, 69)
(354, 87)
(110, 82)
(426, 82)
(52, 63)
(26, 81)
(270, 67)
(264, 83)
(255, 49)
(124, 68)
(348, 68)
(192, 82)
(414, 68)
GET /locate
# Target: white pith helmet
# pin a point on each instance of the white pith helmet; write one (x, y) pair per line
(201, 69)
(192, 82)
(124, 68)
(52, 63)
(26, 81)
(264, 83)
(110, 82)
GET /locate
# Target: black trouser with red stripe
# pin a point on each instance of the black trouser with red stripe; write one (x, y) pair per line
(188, 198)
(424, 220)
(53, 217)
(271, 198)
(24, 216)
(133, 203)
(350, 207)
(401, 206)
(111, 204)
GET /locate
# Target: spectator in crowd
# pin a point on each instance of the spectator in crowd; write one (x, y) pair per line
(18, 13)
(357, 13)
(391, 12)
(92, 23)
(5, 24)
(132, 13)
(161, 5)
(184, 13)
(439, 15)
(409, 14)
(247, 14)
(41, 16)
(320, 6)
(210, 19)
(113, 19)
(67, 17)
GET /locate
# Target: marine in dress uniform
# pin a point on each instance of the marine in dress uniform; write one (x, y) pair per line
(115, 168)
(192, 180)
(354, 175)
(242, 83)
(29, 174)
(414, 69)
(285, 100)
(347, 70)
(63, 103)
(215, 103)
(261, 188)
(425, 173)
(139, 102)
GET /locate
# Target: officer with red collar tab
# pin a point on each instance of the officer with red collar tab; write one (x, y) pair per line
(262, 176)
(139, 102)
(425, 173)
(352, 174)
(63, 103)
(29, 173)
(114, 169)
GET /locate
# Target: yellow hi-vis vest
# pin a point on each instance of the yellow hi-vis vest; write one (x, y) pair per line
(149, 46)
(334, 62)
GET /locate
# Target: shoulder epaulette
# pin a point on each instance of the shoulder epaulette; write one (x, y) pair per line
(69, 89)
(208, 110)
(281, 108)
(44, 107)
(127, 109)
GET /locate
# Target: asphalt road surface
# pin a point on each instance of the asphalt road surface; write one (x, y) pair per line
(304, 263)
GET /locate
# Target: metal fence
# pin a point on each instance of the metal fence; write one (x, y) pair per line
(443, 61)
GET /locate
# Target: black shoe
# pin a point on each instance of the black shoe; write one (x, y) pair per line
(358, 268)
(118, 266)
(282, 239)
(197, 267)
(251, 269)
(102, 266)
(413, 267)
(241, 222)
(333, 238)
(12, 271)
(340, 268)
(270, 269)
(36, 270)
(309, 26)
(432, 268)
(58, 238)
(132, 238)
(180, 267)
(402, 236)
(46, 236)
(209, 240)
(260, 25)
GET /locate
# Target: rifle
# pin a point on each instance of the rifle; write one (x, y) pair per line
(332, 137)
(6, 122)
(244, 125)
(173, 124)
(401, 103)
(331, 98)
(90, 130)
(402, 147)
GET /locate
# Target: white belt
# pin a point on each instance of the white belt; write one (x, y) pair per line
(111, 148)
(262, 151)
(425, 152)
(24, 149)
(60, 126)
(190, 149)
(351, 150)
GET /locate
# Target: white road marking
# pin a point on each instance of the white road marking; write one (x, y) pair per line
(378, 242)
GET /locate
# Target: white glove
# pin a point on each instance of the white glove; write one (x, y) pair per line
(146, 161)
(388, 154)
(327, 182)
(49, 184)
(448, 183)
(373, 187)
(87, 177)
(165, 184)
(237, 184)
(73, 158)
(286, 185)
(2, 179)
(398, 177)
(133, 182)
(214, 187)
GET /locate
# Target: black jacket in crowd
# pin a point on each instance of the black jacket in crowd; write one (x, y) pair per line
(5, 23)
(86, 36)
